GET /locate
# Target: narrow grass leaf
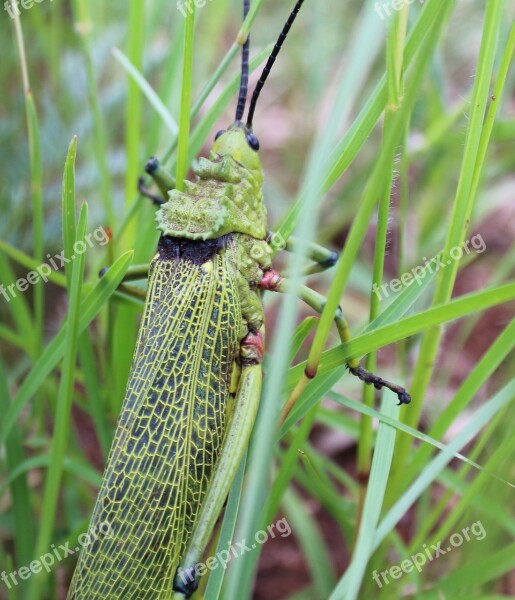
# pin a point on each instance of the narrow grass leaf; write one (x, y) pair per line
(432, 469)
(68, 208)
(63, 409)
(214, 584)
(54, 351)
(184, 118)
(22, 518)
(147, 91)
(350, 584)
(313, 546)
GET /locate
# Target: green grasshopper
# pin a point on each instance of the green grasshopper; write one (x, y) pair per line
(195, 381)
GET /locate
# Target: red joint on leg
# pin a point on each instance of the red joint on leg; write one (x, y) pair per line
(270, 280)
(252, 344)
(310, 373)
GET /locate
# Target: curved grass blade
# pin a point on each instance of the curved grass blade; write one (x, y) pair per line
(63, 408)
(414, 433)
(148, 91)
(214, 584)
(68, 208)
(349, 586)
(489, 569)
(480, 419)
(23, 524)
(184, 117)
(409, 326)
(42, 461)
(54, 351)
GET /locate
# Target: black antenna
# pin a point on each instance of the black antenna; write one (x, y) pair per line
(242, 98)
(270, 62)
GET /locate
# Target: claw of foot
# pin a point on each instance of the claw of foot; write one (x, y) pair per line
(379, 383)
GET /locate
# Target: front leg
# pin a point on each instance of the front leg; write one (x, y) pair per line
(133, 273)
(275, 282)
(322, 257)
(164, 181)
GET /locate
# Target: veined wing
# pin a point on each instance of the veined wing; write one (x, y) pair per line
(169, 431)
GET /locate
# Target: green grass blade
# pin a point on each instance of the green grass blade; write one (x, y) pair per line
(22, 519)
(82, 470)
(54, 351)
(36, 168)
(349, 586)
(37, 207)
(184, 118)
(214, 584)
(82, 21)
(432, 469)
(480, 487)
(460, 215)
(429, 441)
(311, 542)
(361, 222)
(382, 336)
(489, 569)
(94, 392)
(483, 370)
(63, 410)
(395, 84)
(288, 464)
(133, 126)
(30, 263)
(148, 92)
(68, 204)
(18, 306)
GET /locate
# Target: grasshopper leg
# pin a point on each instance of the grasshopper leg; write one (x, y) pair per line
(233, 448)
(164, 181)
(275, 282)
(134, 273)
(322, 257)
(144, 191)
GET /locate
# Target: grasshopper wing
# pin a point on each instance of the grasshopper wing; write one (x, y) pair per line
(170, 429)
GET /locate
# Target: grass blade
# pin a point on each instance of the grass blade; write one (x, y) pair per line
(63, 411)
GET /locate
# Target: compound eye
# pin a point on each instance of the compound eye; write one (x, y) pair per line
(253, 141)
(221, 132)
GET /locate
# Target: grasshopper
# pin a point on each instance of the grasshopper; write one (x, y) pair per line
(195, 381)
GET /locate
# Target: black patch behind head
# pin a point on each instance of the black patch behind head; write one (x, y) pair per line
(196, 251)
